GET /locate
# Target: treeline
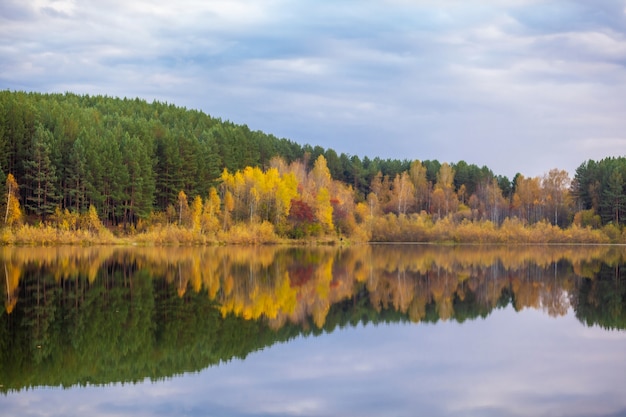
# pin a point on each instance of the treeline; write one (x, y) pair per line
(128, 157)
(140, 164)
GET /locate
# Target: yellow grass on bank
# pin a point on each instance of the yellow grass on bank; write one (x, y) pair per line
(389, 228)
(420, 228)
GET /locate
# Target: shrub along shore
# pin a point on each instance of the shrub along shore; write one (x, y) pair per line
(386, 229)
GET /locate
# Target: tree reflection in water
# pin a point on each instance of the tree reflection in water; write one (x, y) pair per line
(106, 314)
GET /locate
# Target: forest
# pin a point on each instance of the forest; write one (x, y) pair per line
(79, 168)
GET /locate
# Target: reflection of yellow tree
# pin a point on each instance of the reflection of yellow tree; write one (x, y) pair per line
(417, 309)
(251, 299)
(442, 287)
(301, 286)
(12, 281)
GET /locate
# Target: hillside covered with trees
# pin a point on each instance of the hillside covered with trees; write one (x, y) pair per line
(109, 167)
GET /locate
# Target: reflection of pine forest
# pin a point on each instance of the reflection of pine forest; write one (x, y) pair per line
(99, 315)
(80, 168)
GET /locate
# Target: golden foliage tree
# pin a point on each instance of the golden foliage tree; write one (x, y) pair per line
(183, 208)
(417, 173)
(211, 211)
(556, 185)
(403, 192)
(196, 214)
(323, 208)
(320, 174)
(229, 205)
(445, 183)
(13, 213)
(527, 198)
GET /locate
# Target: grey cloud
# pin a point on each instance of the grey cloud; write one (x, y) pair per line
(15, 10)
(572, 15)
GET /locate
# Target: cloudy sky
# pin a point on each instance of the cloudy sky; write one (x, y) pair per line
(517, 85)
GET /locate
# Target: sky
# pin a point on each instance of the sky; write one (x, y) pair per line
(517, 85)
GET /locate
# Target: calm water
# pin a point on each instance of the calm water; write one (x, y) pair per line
(393, 330)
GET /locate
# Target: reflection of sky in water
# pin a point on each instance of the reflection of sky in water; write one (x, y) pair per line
(510, 364)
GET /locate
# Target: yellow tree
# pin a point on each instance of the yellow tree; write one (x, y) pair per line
(267, 186)
(495, 203)
(439, 201)
(445, 183)
(381, 189)
(183, 207)
(229, 205)
(286, 191)
(403, 192)
(320, 174)
(13, 212)
(263, 191)
(249, 195)
(373, 205)
(196, 214)
(323, 208)
(527, 198)
(555, 186)
(417, 173)
(92, 220)
(235, 184)
(211, 211)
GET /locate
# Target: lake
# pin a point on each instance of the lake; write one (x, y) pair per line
(367, 330)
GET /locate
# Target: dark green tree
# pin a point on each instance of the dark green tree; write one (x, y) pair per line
(41, 176)
(140, 187)
(113, 179)
(209, 163)
(168, 165)
(614, 201)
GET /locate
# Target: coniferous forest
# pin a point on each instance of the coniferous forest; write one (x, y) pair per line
(97, 169)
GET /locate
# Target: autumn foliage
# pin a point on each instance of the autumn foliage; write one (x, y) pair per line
(301, 285)
(153, 172)
(253, 206)
(156, 171)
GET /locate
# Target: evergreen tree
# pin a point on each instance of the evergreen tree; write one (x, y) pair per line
(41, 176)
(209, 163)
(112, 179)
(80, 191)
(614, 201)
(168, 166)
(140, 188)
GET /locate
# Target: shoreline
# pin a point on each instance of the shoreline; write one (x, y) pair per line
(179, 236)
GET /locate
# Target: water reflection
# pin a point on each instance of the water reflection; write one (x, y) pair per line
(78, 316)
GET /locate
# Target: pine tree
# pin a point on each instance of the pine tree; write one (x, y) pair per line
(41, 176)
(614, 197)
(140, 188)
